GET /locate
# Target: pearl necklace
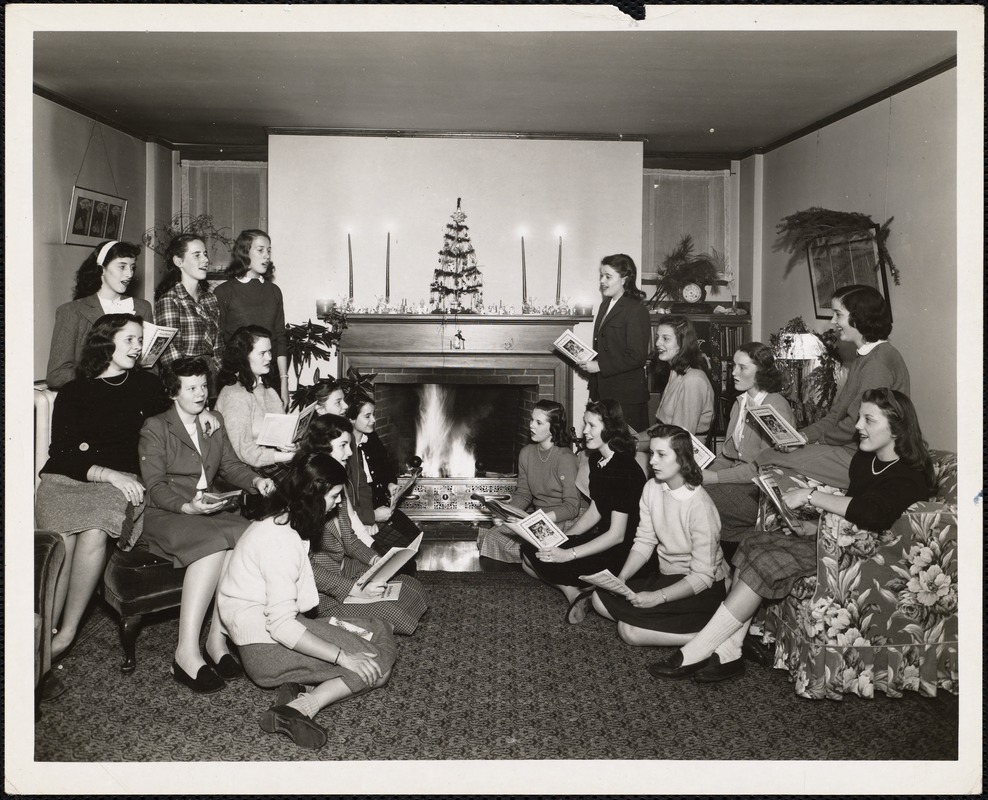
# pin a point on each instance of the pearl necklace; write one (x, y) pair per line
(874, 460)
(548, 454)
(120, 383)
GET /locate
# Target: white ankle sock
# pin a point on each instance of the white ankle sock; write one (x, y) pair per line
(305, 703)
(722, 624)
(731, 649)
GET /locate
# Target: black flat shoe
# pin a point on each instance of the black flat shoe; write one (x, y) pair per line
(228, 668)
(753, 650)
(295, 725)
(673, 667)
(715, 672)
(205, 682)
(288, 692)
(579, 608)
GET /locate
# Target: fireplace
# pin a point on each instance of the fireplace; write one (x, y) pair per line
(491, 374)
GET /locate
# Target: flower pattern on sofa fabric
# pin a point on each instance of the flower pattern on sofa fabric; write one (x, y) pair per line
(881, 611)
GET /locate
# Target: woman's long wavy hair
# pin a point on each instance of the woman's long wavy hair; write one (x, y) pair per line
(240, 255)
(97, 349)
(900, 412)
(321, 433)
(558, 424)
(89, 276)
(768, 376)
(624, 266)
(682, 445)
(615, 433)
(236, 361)
(689, 345)
(300, 499)
(177, 248)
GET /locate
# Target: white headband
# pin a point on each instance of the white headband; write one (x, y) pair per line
(103, 252)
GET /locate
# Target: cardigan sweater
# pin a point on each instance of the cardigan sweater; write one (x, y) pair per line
(881, 368)
(688, 401)
(253, 303)
(244, 413)
(72, 323)
(549, 485)
(267, 583)
(682, 527)
(730, 465)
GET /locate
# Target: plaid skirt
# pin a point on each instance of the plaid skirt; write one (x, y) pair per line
(770, 562)
(403, 614)
(502, 544)
(737, 505)
(67, 506)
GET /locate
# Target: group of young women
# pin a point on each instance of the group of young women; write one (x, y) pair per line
(136, 455)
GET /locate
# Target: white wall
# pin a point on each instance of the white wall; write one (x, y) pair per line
(897, 158)
(322, 187)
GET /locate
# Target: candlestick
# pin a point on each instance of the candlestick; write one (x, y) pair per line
(323, 307)
(559, 272)
(387, 271)
(349, 253)
(524, 277)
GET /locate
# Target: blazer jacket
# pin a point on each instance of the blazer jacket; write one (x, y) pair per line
(621, 342)
(72, 323)
(171, 465)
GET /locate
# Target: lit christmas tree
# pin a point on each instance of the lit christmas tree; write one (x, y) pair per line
(457, 284)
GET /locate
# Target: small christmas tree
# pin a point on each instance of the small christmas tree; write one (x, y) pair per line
(457, 285)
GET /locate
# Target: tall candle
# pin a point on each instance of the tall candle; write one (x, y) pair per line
(387, 271)
(524, 277)
(559, 272)
(349, 253)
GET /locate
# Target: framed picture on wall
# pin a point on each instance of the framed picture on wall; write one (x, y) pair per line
(94, 217)
(840, 261)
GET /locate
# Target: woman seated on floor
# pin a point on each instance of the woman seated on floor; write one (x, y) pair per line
(601, 538)
(339, 557)
(178, 464)
(546, 480)
(90, 487)
(891, 470)
(329, 397)
(266, 587)
(374, 480)
(247, 393)
(679, 523)
(728, 477)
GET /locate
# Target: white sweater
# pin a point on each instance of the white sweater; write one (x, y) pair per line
(266, 584)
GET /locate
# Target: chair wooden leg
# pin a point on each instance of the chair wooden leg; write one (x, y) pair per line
(129, 628)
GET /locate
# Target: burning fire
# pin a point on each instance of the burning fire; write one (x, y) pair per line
(442, 443)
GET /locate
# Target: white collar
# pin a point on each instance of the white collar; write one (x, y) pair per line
(684, 492)
(759, 398)
(867, 348)
(245, 279)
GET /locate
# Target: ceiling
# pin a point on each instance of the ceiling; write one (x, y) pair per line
(695, 92)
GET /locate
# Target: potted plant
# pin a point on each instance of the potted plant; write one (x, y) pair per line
(308, 342)
(217, 240)
(813, 395)
(685, 275)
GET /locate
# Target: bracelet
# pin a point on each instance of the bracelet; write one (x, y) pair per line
(809, 497)
(573, 551)
(662, 594)
(284, 378)
(336, 660)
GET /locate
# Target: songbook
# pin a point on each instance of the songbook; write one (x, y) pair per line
(775, 426)
(363, 633)
(701, 453)
(402, 489)
(605, 579)
(767, 484)
(284, 430)
(499, 509)
(390, 563)
(539, 530)
(572, 347)
(226, 498)
(156, 339)
(391, 592)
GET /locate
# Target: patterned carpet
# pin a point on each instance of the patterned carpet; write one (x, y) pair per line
(492, 673)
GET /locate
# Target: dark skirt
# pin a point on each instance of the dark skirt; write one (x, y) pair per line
(687, 615)
(737, 505)
(770, 562)
(567, 573)
(186, 538)
(67, 506)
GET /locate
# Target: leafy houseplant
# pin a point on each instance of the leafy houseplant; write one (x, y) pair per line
(308, 342)
(215, 239)
(820, 387)
(683, 266)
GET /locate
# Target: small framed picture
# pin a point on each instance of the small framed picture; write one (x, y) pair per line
(837, 261)
(701, 453)
(94, 217)
(573, 348)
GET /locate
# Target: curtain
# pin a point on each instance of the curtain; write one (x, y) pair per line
(678, 202)
(233, 193)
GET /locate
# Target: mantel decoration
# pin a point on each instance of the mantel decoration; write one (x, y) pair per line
(217, 240)
(94, 217)
(308, 342)
(813, 394)
(685, 275)
(841, 248)
(457, 284)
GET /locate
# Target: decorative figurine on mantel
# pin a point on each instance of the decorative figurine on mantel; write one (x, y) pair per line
(457, 284)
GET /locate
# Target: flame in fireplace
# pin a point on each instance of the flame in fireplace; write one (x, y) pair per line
(441, 442)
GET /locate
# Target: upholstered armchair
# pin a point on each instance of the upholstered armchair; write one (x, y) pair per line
(881, 611)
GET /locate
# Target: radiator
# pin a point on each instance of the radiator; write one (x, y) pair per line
(44, 405)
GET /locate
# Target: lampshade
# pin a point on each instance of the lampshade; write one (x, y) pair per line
(804, 347)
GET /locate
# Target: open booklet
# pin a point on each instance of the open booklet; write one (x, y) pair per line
(391, 592)
(156, 339)
(227, 499)
(284, 430)
(539, 530)
(403, 488)
(775, 426)
(767, 484)
(605, 579)
(574, 348)
(500, 509)
(363, 633)
(390, 563)
(701, 453)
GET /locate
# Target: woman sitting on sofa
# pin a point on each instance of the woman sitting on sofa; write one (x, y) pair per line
(890, 471)
(90, 489)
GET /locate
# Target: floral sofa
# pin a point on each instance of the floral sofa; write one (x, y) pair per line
(881, 611)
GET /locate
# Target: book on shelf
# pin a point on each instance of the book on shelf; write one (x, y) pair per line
(284, 430)
(539, 530)
(605, 579)
(391, 592)
(768, 485)
(500, 509)
(775, 426)
(389, 564)
(574, 348)
(156, 339)
(702, 454)
(403, 488)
